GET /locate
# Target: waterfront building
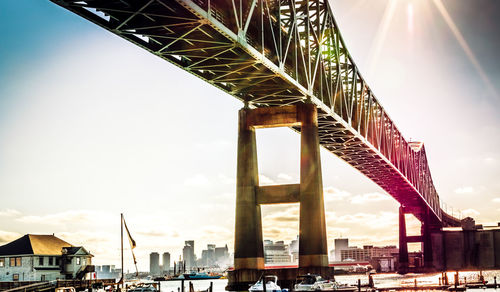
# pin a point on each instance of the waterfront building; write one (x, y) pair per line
(166, 263)
(154, 263)
(107, 272)
(354, 254)
(188, 254)
(276, 253)
(43, 258)
(340, 244)
(383, 259)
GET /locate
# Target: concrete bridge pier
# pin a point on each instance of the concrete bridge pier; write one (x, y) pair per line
(248, 249)
(313, 251)
(403, 243)
(426, 230)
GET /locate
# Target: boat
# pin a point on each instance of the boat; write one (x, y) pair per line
(142, 287)
(198, 276)
(271, 284)
(312, 282)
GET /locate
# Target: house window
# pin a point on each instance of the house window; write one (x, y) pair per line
(2, 263)
(51, 261)
(15, 277)
(57, 261)
(40, 261)
(78, 262)
(15, 262)
(42, 278)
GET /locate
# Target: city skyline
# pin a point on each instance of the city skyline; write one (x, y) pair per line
(91, 129)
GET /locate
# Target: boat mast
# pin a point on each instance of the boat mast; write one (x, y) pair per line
(121, 227)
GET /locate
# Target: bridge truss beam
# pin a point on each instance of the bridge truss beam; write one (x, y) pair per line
(277, 53)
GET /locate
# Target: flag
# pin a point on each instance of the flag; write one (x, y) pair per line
(130, 239)
(132, 246)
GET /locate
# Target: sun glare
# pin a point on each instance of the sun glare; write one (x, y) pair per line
(381, 36)
(410, 18)
(465, 46)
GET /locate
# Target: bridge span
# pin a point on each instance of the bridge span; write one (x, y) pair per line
(285, 54)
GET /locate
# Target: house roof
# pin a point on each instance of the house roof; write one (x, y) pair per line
(31, 244)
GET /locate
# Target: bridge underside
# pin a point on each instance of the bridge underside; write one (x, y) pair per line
(228, 49)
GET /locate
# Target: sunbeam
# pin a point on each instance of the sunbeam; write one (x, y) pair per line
(463, 43)
(381, 36)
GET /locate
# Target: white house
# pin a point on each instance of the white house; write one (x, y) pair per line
(43, 258)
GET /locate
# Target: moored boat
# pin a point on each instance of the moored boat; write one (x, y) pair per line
(270, 281)
(198, 276)
(312, 282)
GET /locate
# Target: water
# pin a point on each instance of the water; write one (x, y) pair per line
(380, 280)
(395, 280)
(173, 286)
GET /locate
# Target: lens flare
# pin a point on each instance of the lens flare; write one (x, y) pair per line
(410, 18)
(463, 43)
(381, 36)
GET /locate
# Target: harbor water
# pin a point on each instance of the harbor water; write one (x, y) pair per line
(380, 281)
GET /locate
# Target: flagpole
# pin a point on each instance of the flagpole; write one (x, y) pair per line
(121, 227)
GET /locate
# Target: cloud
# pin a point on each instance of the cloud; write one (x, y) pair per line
(336, 232)
(382, 220)
(198, 180)
(154, 233)
(104, 246)
(226, 180)
(9, 213)
(71, 216)
(284, 177)
(333, 194)
(288, 215)
(464, 190)
(215, 233)
(6, 236)
(369, 197)
(264, 180)
(470, 212)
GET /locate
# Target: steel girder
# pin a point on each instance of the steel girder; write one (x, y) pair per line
(275, 53)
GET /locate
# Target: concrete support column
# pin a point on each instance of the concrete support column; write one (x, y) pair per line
(248, 245)
(312, 229)
(427, 241)
(403, 243)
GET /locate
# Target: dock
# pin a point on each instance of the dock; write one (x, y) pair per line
(27, 286)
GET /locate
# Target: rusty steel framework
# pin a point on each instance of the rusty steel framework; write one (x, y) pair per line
(275, 53)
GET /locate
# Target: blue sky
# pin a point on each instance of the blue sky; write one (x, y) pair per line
(92, 126)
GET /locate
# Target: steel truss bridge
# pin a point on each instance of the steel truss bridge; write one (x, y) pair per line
(275, 53)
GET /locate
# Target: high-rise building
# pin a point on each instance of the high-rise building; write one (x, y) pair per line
(340, 244)
(276, 252)
(154, 263)
(166, 263)
(221, 255)
(188, 254)
(208, 256)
